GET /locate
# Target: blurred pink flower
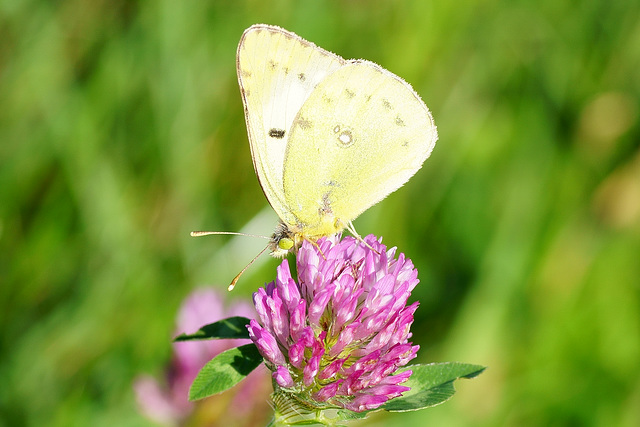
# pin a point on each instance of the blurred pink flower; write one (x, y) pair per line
(167, 402)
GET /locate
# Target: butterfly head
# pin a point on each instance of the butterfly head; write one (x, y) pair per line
(285, 239)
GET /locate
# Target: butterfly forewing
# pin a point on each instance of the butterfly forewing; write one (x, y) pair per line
(277, 72)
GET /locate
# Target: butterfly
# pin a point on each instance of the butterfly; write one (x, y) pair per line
(329, 137)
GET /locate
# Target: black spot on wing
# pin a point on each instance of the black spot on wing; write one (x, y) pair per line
(276, 133)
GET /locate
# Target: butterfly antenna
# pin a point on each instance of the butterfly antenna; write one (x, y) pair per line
(208, 233)
(235, 279)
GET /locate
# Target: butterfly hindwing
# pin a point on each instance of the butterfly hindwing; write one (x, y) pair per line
(359, 136)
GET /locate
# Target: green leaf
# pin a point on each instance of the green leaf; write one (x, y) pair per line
(233, 327)
(224, 371)
(431, 385)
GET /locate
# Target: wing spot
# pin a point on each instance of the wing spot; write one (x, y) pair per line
(303, 123)
(405, 144)
(399, 121)
(276, 133)
(272, 64)
(350, 94)
(325, 208)
(345, 136)
(386, 104)
(302, 77)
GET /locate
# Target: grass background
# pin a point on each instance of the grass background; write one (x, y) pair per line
(121, 130)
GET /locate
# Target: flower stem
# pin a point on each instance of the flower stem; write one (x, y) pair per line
(290, 410)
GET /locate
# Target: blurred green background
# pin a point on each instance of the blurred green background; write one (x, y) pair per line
(122, 129)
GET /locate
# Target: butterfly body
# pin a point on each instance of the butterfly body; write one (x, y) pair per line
(329, 137)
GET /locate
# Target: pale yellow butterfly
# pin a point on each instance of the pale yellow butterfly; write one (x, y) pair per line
(329, 137)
